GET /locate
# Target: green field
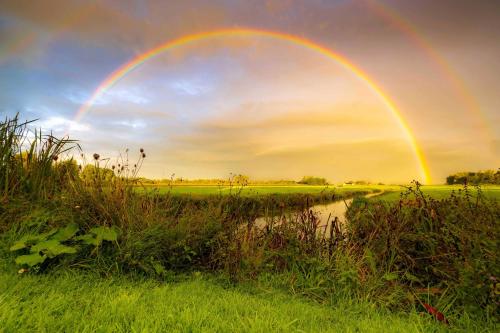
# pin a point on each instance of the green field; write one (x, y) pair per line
(391, 192)
(441, 191)
(255, 190)
(79, 302)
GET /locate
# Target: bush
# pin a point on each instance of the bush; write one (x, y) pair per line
(449, 246)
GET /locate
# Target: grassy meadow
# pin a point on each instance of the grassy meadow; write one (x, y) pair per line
(380, 192)
(442, 191)
(96, 251)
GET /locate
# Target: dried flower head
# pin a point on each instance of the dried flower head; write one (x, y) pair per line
(143, 155)
(141, 150)
(113, 167)
(55, 157)
(96, 156)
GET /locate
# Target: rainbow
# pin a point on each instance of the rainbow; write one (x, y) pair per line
(445, 69)
(134, 63)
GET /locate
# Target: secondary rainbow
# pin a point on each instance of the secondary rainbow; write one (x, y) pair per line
(446, 70)
(126, 68)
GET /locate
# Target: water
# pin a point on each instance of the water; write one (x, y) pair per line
(325, 213)
(328, 212)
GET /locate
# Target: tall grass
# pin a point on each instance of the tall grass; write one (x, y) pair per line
(27, 160)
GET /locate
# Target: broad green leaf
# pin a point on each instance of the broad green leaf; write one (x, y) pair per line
(66, 233)
(52, 248)
(105, 233)
(88, 239)
(47, 234)
(20, 244)
(31, 259)
(28, 240)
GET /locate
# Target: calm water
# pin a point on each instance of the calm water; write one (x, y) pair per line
(325, 213)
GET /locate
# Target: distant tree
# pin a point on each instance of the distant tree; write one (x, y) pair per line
(475, 178)
(92, 173)
(310, 180)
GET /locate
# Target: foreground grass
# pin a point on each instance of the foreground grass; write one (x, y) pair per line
(82, 302)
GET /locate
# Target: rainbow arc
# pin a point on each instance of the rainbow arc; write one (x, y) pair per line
(137, 61)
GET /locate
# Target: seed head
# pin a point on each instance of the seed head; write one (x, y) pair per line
(113, 167)
(141, 150)
(96, 156)
(143, 155)
(55, 157)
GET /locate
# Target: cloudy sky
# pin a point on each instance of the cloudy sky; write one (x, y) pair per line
(259, 105)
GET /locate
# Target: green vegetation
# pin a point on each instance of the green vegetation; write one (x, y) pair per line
(449, 244)
(256, 190)
(310, 180)
(475, 178)
(440, 192)
(201, 262)
(77, 302)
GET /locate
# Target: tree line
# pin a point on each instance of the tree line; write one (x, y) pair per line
(480, 177)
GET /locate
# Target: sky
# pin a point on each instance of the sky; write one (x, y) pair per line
(259, 105)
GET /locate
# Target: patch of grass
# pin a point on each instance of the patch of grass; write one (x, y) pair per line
(81, 302)
(440, 192)
(253, 190)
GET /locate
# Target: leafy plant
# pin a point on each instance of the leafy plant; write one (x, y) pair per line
(49, 245)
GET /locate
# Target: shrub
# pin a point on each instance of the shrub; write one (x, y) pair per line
(449, 244)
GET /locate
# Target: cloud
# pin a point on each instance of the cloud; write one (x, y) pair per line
(124, 95)
(189, 88)
(61, 125)
(109, 97)
(134, 124)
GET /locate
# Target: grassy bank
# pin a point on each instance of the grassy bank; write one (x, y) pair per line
(77, 301)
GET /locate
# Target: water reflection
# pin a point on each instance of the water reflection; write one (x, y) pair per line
(325, 214)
